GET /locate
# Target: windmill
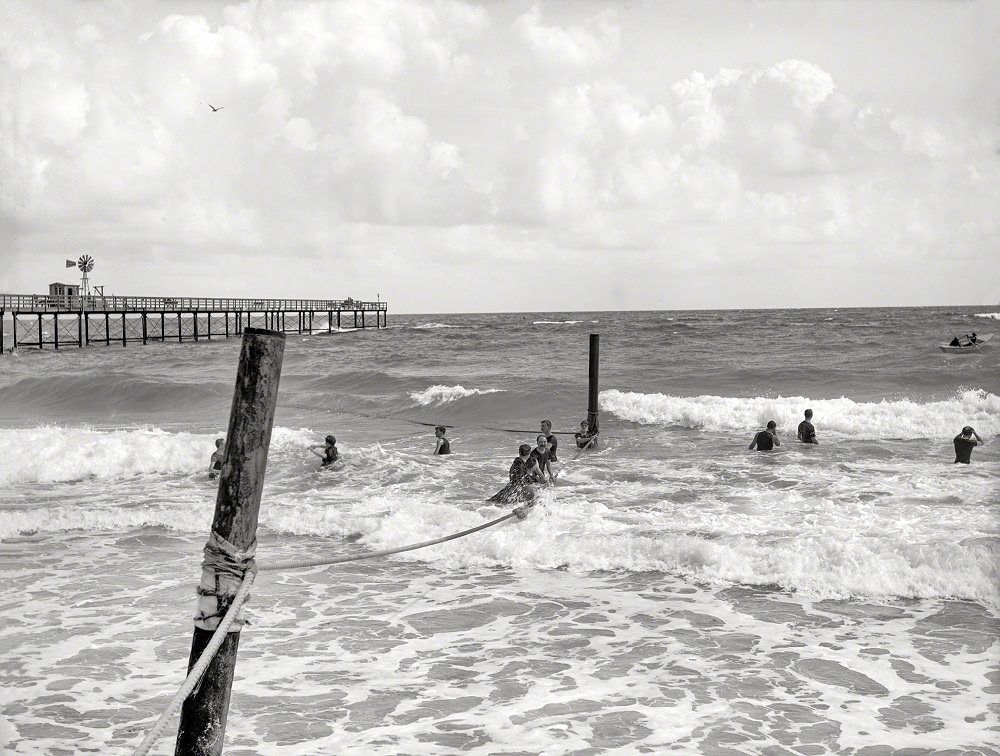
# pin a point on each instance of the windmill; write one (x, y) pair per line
(85, 264)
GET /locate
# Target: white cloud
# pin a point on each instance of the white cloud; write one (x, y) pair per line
(595, 40)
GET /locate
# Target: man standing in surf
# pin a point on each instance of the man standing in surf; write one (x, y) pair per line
(552, 441)
(806, 430)
(964, 445)
(766, 439)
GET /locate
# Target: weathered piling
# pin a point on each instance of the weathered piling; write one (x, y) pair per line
(230, 550)
(595, 359)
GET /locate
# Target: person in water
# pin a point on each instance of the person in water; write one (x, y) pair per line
(215, 465)
(326, 451)
(551, 440)
(442, 445)
(964, 444)
(766, 439)
(518, 489)
(807, 431)
(541, 454)
(585, 438)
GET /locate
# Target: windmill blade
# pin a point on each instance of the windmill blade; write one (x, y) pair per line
(85, 263)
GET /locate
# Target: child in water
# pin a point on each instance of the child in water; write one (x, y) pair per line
(327, 451)
(442, 445)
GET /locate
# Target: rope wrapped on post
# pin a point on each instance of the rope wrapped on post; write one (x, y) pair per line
(241, 596)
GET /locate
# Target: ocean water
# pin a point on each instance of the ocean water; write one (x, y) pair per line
(674, 592)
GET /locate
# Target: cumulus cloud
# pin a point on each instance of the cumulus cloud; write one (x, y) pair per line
(770, 156)
(595, 40)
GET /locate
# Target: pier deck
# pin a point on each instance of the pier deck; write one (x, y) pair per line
(51, 321)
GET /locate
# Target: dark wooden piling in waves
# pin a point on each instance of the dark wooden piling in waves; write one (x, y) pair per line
(203, 716)
(592, 388)
(86, 320)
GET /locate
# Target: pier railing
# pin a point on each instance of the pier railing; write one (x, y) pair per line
(57, 303)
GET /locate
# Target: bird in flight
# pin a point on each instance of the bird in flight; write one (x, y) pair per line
(215, 109)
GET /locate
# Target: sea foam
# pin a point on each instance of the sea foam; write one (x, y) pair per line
(896, 419)
(53, 454)
(439, 394)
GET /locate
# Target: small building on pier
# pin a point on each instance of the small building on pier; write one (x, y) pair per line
(61, 294)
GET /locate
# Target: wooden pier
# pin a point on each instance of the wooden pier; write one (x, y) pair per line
(46, 321)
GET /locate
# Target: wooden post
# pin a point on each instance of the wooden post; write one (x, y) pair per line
(55, 329)
(123, 329)
(145, 331)
(202, 727)
(338, 320)
(13, 316)
(194, 318)
(595, 352)
(41, 344)
(1, 332)
(86, 328)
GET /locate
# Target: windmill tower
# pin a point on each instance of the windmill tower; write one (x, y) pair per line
(85, 264)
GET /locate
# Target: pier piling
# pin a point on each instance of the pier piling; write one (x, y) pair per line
(234, 532)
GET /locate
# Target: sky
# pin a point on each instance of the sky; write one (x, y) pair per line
(506, 156)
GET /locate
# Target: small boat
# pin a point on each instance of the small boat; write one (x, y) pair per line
(966, 348)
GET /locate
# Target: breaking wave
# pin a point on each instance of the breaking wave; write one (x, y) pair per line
(439, 394)
(897, 419)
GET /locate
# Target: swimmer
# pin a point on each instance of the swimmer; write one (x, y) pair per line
(551, 440)
(964, 445)
(541, 454)
(518, 488)
(766, 439)
(326, 451)
(215, 465)
(442, 445)
(584, 438)
(807, 431)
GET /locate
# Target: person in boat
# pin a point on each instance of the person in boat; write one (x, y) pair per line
(766, 439)
(541, 453)
(551, 440)
(964, 444)
(326, 451)
(967, 340)
(215, 464)
(518, 489)
(807, 431)
(442, 445)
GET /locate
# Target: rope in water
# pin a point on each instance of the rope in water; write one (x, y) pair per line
(191, 681)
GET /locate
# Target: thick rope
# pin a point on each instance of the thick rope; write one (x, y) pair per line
(200, 666)
(295, 564)
(244, 593)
